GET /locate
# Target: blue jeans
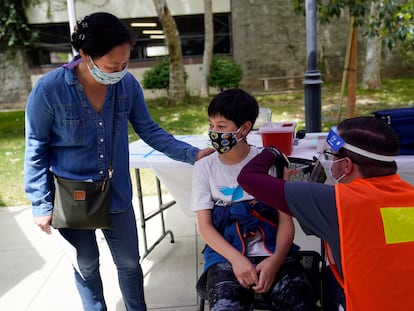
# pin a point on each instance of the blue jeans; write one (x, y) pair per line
(123, 243)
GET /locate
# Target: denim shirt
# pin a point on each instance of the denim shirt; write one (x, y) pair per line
(67, 137)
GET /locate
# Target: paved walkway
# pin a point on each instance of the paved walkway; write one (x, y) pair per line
(35, 273)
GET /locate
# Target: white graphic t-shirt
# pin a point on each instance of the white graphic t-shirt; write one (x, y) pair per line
(216, 183)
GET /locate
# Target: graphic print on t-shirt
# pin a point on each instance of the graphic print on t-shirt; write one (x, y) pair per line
(235, 193)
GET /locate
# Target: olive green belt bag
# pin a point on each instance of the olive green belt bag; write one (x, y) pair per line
(81, 204)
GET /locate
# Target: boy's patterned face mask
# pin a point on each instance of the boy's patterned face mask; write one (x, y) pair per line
(224, 141)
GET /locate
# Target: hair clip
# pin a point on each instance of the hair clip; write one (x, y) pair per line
(84, 24)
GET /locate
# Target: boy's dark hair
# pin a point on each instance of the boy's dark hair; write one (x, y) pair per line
(99, 33)
(235, 105)
(373, 135)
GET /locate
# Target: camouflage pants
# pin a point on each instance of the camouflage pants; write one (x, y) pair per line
(290, 292)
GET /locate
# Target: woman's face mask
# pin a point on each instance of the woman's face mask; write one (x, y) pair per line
(106, 77)
(224, 141)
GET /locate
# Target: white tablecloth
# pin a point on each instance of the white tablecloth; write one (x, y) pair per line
(176, 176)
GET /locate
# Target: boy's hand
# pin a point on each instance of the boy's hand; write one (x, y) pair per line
(267, 270)
(245, 272)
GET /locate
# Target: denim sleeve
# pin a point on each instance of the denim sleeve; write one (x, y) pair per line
(155, 136)
(37, 179)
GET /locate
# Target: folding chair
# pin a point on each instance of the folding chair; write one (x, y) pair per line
(313, 262)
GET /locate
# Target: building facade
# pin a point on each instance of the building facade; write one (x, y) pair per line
(265, 37)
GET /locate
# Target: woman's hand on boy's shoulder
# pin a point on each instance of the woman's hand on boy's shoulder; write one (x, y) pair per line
(204, 152)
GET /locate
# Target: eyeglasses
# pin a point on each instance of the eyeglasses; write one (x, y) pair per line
(328, 155)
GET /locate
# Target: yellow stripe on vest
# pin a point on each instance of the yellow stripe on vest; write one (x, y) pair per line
(398, 224)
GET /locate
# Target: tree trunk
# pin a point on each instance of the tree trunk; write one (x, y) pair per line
(352, 73)
(371, 78)
(346, 66)
(176, 89)
(208, 46)
(15, 77)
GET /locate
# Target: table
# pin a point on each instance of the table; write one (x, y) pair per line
(176, 176)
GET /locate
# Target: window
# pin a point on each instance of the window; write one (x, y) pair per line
(53, 46)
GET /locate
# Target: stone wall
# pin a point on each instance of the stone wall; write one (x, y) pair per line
(267, 40)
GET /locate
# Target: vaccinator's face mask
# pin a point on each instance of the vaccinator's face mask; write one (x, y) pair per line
(328, 157)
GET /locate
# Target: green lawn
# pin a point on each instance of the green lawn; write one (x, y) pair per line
(190, 117)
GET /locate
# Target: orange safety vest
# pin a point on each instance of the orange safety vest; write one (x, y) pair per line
(376, 227)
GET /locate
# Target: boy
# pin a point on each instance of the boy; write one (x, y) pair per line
(243, 255)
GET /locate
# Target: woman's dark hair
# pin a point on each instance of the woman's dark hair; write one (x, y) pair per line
(373, 135)
(235, 105)
(99, 33)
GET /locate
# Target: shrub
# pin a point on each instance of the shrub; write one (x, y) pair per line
(158, 76)
(224, 73)
(406, 52)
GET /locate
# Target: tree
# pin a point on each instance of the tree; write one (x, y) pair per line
(15, 37)
(396, 23)
(208, 46)
(176, 89)
(352, 72)
(371, 77)
(393, 23)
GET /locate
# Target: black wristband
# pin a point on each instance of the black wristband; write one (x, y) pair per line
(281, 160)
(277, 153)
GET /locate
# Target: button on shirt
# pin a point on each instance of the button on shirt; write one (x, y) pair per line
(67, 137)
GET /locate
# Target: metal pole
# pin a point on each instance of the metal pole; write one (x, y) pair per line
(72, 20)
(313, 80)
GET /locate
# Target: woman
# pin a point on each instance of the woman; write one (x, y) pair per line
(76, 126)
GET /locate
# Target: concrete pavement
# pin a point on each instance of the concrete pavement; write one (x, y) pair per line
(36, 274)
